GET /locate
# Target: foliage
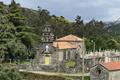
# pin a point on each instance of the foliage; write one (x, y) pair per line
(71, 64)
(113, 44)
(17, 39)
(9, 74)
(21, 29)
(26, 62)
(92, 30)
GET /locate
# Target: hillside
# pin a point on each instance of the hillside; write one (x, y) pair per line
(115, 28)
(93, 30)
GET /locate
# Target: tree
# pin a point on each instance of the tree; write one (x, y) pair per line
(9, 74)
(23, 24)
(78, 20)
(60, 25)
(78, 27)
(113, 44)
(7, 31)
(25, 39)
(17, 38)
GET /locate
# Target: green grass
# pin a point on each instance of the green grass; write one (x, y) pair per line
(25, 62)
(34, 76)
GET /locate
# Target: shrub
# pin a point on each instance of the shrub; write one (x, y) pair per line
(71, 64)
(9, 74)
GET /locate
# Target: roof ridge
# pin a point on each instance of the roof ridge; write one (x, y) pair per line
(70, 37)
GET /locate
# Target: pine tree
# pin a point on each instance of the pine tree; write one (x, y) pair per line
(16, 38)
(7, 31)
(24, 34)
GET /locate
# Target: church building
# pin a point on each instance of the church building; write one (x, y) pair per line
(53, 53)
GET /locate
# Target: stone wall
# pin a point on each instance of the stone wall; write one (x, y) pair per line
(104, 74)
(57, 67)
(68, 53)
(114, 75)
(58, 63)
(99, 73)
(41, 55)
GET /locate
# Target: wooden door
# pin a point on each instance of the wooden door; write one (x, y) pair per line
(47, 59)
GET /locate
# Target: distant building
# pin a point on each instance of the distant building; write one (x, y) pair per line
(93, 58)
(105, 71)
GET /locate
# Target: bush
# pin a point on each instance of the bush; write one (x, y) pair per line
(9, 74)
(71, 64)
(25, 62)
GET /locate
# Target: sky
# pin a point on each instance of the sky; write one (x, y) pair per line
(105, 10)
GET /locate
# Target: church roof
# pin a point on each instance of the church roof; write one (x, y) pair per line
(63, 45)
(111, 66)
(70, 38)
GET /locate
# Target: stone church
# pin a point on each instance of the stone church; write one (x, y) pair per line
(53, 53)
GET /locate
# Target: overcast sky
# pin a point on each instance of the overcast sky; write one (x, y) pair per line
(106, 10)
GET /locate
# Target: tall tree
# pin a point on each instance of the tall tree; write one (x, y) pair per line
(78, 27)
(24, 36)
(7, 31)
(17, 38)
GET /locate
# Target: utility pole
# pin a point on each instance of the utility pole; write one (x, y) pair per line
(83, 66)
(83, 54)
(58, 63)
(93, 52)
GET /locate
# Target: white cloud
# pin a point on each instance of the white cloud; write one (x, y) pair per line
(113, 14)
(6, 1)
(106, 10)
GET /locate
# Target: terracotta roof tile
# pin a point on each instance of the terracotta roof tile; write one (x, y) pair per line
(111, 65)
(63, 45)
(70, 38)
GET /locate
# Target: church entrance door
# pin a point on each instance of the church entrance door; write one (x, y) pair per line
(47, 59)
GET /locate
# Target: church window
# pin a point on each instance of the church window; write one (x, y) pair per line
(64, 55)
(68, 54)
(76, 55)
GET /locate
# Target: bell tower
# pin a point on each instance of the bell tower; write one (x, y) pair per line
(47, 35)
(47, 40)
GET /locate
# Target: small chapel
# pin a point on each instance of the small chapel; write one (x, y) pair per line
(55, 52)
